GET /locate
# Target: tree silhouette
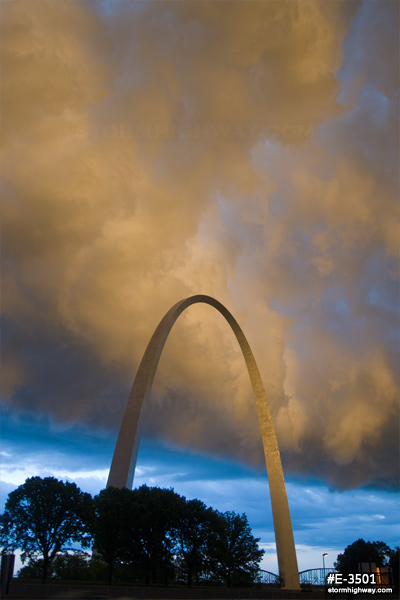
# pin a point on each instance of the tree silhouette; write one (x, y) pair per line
(42, 516)
(148, 534)
(196, 535)
(394, 563)
(153, 531)
(137, 529)
(67, 566)
(361, 551)
(113, 514)
(236, 553)
(149, 531)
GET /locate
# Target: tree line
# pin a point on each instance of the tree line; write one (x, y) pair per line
(144, 536)
(377, 553)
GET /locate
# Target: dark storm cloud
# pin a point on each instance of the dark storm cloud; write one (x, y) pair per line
(57, 365)
(244, 150)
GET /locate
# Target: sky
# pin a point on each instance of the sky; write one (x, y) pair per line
(247, 150)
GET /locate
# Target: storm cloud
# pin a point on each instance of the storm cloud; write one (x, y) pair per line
(245, 150)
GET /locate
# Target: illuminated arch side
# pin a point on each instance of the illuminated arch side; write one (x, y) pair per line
(126, 449)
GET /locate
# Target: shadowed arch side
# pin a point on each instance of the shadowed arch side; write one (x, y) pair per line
(126, 449)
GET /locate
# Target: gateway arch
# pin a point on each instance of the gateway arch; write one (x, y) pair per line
(127, 446)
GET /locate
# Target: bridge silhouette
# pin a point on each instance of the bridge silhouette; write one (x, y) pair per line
(311, 576)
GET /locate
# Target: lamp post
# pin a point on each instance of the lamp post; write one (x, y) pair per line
(323, 559)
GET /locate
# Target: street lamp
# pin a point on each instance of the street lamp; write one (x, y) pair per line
(323, 558)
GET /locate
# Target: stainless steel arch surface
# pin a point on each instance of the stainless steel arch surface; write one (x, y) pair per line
(126, 449)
